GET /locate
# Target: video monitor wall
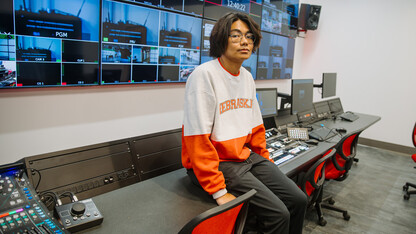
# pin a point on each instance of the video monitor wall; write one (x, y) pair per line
(47, 43)
(141, 44)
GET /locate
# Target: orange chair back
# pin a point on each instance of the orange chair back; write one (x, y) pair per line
(319, 172)
(331, 172)
(347, 145)
(228, 218)
(342, 158)
(222, 223)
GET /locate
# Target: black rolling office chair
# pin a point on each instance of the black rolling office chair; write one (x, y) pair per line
(408, 184)
(338, 168)
(312, 182)
(226, 219)
(342, 161)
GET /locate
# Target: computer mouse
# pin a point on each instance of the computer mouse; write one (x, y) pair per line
(341, 130)
(312, 142)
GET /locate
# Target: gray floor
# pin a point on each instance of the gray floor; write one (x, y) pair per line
(373, 196)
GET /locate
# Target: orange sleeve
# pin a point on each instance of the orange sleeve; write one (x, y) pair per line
(257, 142)
(199, 154)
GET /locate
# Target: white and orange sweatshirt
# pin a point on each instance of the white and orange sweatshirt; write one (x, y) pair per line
(222, 122)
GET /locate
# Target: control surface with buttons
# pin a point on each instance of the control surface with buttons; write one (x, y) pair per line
(21, 210)
(79, 215)
(283, 148)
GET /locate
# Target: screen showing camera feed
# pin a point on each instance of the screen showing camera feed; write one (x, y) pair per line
(157, 45)
(6, 17)
(54, 43)
(207, 26)
(280, 17)
(275, 57)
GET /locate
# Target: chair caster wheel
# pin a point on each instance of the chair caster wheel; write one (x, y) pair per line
(405, 187)
(346, 216)
(406, 197)
(322, 222)
(331, 201)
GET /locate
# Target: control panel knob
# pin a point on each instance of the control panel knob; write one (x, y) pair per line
(78, 208)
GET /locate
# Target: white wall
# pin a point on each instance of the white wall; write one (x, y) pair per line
(368, 43)
(371, 45)
(42, 120)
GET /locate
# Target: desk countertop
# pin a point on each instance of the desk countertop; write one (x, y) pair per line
(164, 204)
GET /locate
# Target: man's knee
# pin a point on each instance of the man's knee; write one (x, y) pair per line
(284, 216)
(280, 215)
(301, 198)
(277, 221)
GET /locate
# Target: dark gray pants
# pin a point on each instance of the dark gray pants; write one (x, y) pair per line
(279, 204)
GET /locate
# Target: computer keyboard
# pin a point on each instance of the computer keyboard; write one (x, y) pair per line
(322, 133)
(349, 116)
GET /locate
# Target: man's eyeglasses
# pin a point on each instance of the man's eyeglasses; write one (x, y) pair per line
(236, 37)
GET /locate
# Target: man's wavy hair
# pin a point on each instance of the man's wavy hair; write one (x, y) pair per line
(218, 40)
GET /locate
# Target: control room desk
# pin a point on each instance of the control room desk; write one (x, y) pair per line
(164, 204)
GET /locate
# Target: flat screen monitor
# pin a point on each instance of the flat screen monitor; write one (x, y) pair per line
(302, 95)
(194, 7)
(215, 9)
(322, 109)
(280, 17)
(161, 46)
(329, 84)
(267, 99)
(49, 43)
(6, 17)
(275, 57)
(335, 106)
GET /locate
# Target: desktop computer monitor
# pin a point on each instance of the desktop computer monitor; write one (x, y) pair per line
(335, 106)
(302, 95)
(322, 109)
(267, 99)
(329, 84)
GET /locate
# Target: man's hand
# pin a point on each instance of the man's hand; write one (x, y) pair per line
(224, 199)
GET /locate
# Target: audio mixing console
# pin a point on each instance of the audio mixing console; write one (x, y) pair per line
(21, 210)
